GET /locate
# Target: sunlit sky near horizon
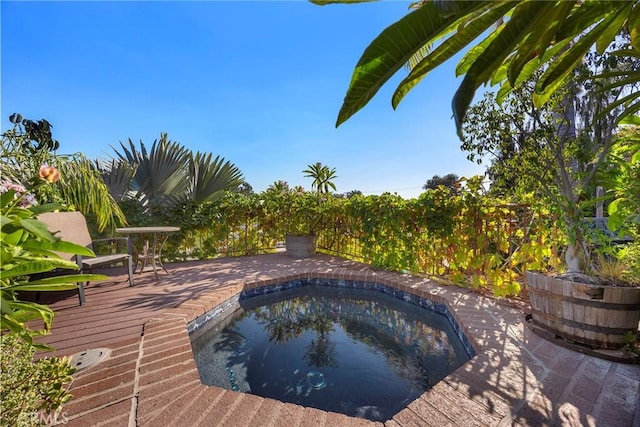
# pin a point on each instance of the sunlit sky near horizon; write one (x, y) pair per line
(258, 83)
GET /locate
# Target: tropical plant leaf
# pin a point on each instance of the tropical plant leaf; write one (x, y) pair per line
(626, 101)
(59, 283)
(578, 25)
(37, 228)
(630, 120)
(527, 71)
(613, 28)
(447, 49)
(117, 176)
(628, 111)
(36, 265)
(394, 47)
(7, 322)
(83, 187)
(472, 54)
(24, 311)
(6, 198)
(584, 17)
(634, 26)
(161, 173)
(559, 69)
(537, 41)
(209, 179)
(495, 53)
(58, 246)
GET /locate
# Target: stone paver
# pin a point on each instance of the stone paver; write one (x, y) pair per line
(517, 377)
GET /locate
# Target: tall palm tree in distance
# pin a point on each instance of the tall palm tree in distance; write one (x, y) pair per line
(322, 177)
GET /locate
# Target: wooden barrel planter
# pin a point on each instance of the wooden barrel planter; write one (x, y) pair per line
(300, 246)
(597, 316)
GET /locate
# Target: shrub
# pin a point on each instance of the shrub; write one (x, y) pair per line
(28, 387)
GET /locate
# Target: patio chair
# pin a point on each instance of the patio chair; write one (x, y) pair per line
(72, 227)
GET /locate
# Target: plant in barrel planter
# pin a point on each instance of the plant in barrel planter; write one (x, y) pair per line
(556, 151)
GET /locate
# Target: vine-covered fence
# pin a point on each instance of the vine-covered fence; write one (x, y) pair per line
(466, 238)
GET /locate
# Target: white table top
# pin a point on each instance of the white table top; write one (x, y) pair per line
(156, 229)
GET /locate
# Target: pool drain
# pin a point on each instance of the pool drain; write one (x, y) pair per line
(88, 358)
(315, 379)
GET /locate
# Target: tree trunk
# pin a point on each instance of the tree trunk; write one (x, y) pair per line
(577, 254)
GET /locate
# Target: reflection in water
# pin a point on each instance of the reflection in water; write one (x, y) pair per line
(356, 352)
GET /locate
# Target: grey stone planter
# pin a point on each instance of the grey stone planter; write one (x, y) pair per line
(301, 246)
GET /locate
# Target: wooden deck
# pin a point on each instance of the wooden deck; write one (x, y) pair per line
(517, 378)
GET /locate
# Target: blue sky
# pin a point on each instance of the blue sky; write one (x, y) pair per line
(259, 83)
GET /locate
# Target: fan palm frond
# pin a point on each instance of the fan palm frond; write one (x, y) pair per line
(117, 175)
(161, 173)
(210, 178)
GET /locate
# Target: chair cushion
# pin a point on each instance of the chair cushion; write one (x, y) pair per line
(104, 259)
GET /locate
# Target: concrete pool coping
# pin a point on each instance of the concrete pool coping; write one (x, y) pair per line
(517, 378)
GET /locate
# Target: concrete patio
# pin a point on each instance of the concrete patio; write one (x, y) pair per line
(150, 378)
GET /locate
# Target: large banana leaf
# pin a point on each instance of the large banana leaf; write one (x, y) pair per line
(524, 19)
(395, 46)
(562, 66)
(463, 36)
(519, 46)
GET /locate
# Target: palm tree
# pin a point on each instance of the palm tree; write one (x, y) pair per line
(550, 35)
(209, 179)
(322, 177)
(161, 173)
(279, 187)
(117, 175)
(169, 174)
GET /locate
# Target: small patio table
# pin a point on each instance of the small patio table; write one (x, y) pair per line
(151, 252)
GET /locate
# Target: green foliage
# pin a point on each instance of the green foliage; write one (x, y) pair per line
(29, 145)
(210, 178)
(160, 173)
(28, 387)
(516, 40)
(450, 181)
(469, 238)
(629, 255)
(295, 211)
(27, 247)
(623, 182)
(554, 150)
(169, 174)
(322, 177)
(230, 226)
